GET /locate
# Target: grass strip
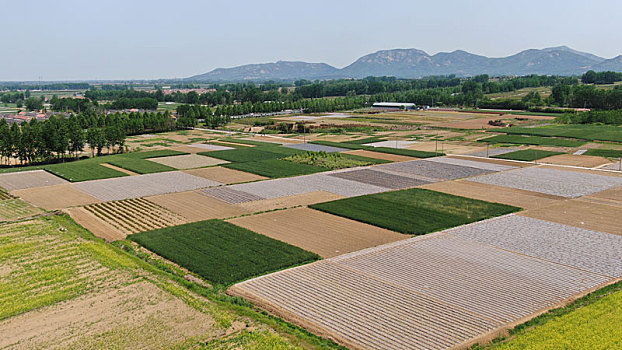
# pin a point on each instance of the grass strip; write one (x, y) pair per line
(533, 140)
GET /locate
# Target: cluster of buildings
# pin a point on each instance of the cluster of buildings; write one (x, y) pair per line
(25, 116)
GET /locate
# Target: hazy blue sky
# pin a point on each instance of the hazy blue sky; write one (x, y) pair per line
(136, 39)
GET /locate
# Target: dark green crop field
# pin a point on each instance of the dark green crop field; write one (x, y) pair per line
(533, 140)
(578, 131)
(222, 252)
(140, 166)
(607, 153)
(414, 211)
(527, 155)
(275, 168)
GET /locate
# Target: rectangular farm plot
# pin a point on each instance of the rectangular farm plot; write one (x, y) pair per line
(378, 155)
(95, 225)
(551, 181)
(134, 215)
(571, 246)
(143, 185)
(222, 252)
(230, 195)
(428, 170)
(225, 175)
(12, 209)
(431, 292)
(275, 168)
(324, 234)
(496, 194)
(289, 201)
(28, 179)
(195, 206)
(414, 211)
(471, 163)
(379, 178)
(582, 213)
(210, 147)
(315, 148)
(188, 161)
(55, 197)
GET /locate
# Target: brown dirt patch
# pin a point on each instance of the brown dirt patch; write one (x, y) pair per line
(581, 213)
(186, 149)
(289, 201)
(225, 175)
(55, 197)
(134, 316)
(492, 193)
(325, 234)
(129, 172)
(378, 155)
(612, 196)
(576, 160)
(98, 227)
(475, 123)
(196, 207)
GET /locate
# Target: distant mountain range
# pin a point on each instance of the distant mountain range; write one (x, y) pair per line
(413, 63)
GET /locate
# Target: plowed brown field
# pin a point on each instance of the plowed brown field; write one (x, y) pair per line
(325, 234)
(581, 213)
(196, 207)
(92, 223)
(225, 175)
(55, 197)
(119, 169)
(492, 193)
(576, 160)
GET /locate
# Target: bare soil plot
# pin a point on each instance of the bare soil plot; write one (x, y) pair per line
(379, 178)
(612, 196)
(576, 160)
(581, 213)
(132, 316)
(551, 181)
(279, 140)
(471, 123)
(426, 170)
(114, 167)
(492, 193)
(143, 185)
(196, 207)
(378, 155)
(92, 223)
(225, 175)
(325, 234)
(230, 195)
(29, 179)
(289, 201)
(315, 148)
(209, 147)
(588, 250)
(12, 209)
(135, 215)
(186, 149)
(449, 291)
(55, 197)
(188, 161)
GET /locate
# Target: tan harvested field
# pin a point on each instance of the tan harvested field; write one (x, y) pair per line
(55, 197)
(575, 160)
(289, 201)
(470, 123)
(186, 149)
(281, 140)
(581, 213)
(325, 234)
(114, 167)
(97, 226)
(378, 155)
(611, 196)
(225, 175)
(29, 179)
(188, 161)
(135, 316)
(493, 193)
(196, 207)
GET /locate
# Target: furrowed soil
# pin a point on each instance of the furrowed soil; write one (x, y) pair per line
(325, 234)
(492, 193)
(581, 213)
(225, 175)
(378, 155)
(92, 223)
(196, 207)
(576, 160)
(289, 201)
(55, 197)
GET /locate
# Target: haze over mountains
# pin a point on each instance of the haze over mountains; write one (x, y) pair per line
(413, 63)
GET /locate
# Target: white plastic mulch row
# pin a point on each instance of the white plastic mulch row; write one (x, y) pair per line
(143, 185)
(441, 290)
(551, 181)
